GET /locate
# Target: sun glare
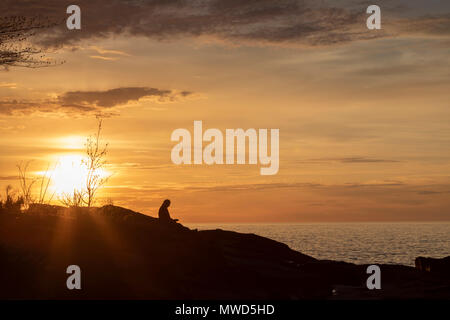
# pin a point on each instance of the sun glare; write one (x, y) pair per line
(70, 174)
(72, 142)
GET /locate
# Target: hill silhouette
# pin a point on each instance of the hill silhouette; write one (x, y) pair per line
(127, 255)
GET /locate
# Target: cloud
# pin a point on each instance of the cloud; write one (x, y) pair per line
(222, 188)
(12, 128)
(104, 58)
(256, 187)
(9, 85)
(350, 160)
(429, 192)
(107, 51)
(364, 160)
(91, 102)
(383, 188)
(114, 97)
(427, 25)
(103, 54)
(297, 22)
(28, 107)
(375, 184)
(10, 107)
(8, 178)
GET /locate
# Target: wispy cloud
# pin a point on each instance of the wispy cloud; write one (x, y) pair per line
(107, 51)
(91, 102)
(8, 178)
(104, 58)
(106, 54)
(9, 85)
(12, 128)
(428, 192)
(349, 160)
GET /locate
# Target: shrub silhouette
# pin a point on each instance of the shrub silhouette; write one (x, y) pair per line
(12, 203)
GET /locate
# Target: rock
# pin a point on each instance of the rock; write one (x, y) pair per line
(433, 265)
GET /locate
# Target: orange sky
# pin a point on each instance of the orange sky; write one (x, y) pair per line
(364, 123)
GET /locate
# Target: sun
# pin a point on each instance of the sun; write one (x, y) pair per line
(70, 174)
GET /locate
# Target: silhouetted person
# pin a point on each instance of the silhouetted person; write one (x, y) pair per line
(163, 213)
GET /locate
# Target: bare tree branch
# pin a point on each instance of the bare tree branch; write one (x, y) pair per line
(94, 163)
(15, 47)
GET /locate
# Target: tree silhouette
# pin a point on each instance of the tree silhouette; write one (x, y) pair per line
(94, 163)
(15, 47)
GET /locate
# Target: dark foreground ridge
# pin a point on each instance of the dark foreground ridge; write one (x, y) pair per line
(127, 255)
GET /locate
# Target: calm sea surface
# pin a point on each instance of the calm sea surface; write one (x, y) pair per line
(395, 243)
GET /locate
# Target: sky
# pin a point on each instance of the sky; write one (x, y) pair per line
(363, 114)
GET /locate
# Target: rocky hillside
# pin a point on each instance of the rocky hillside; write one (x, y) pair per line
(127, 255)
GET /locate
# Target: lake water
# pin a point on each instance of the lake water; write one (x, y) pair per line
(394, 243)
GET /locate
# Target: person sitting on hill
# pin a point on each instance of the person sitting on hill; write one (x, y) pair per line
(163, 213)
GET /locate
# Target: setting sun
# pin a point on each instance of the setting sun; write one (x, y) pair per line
(70, 174)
